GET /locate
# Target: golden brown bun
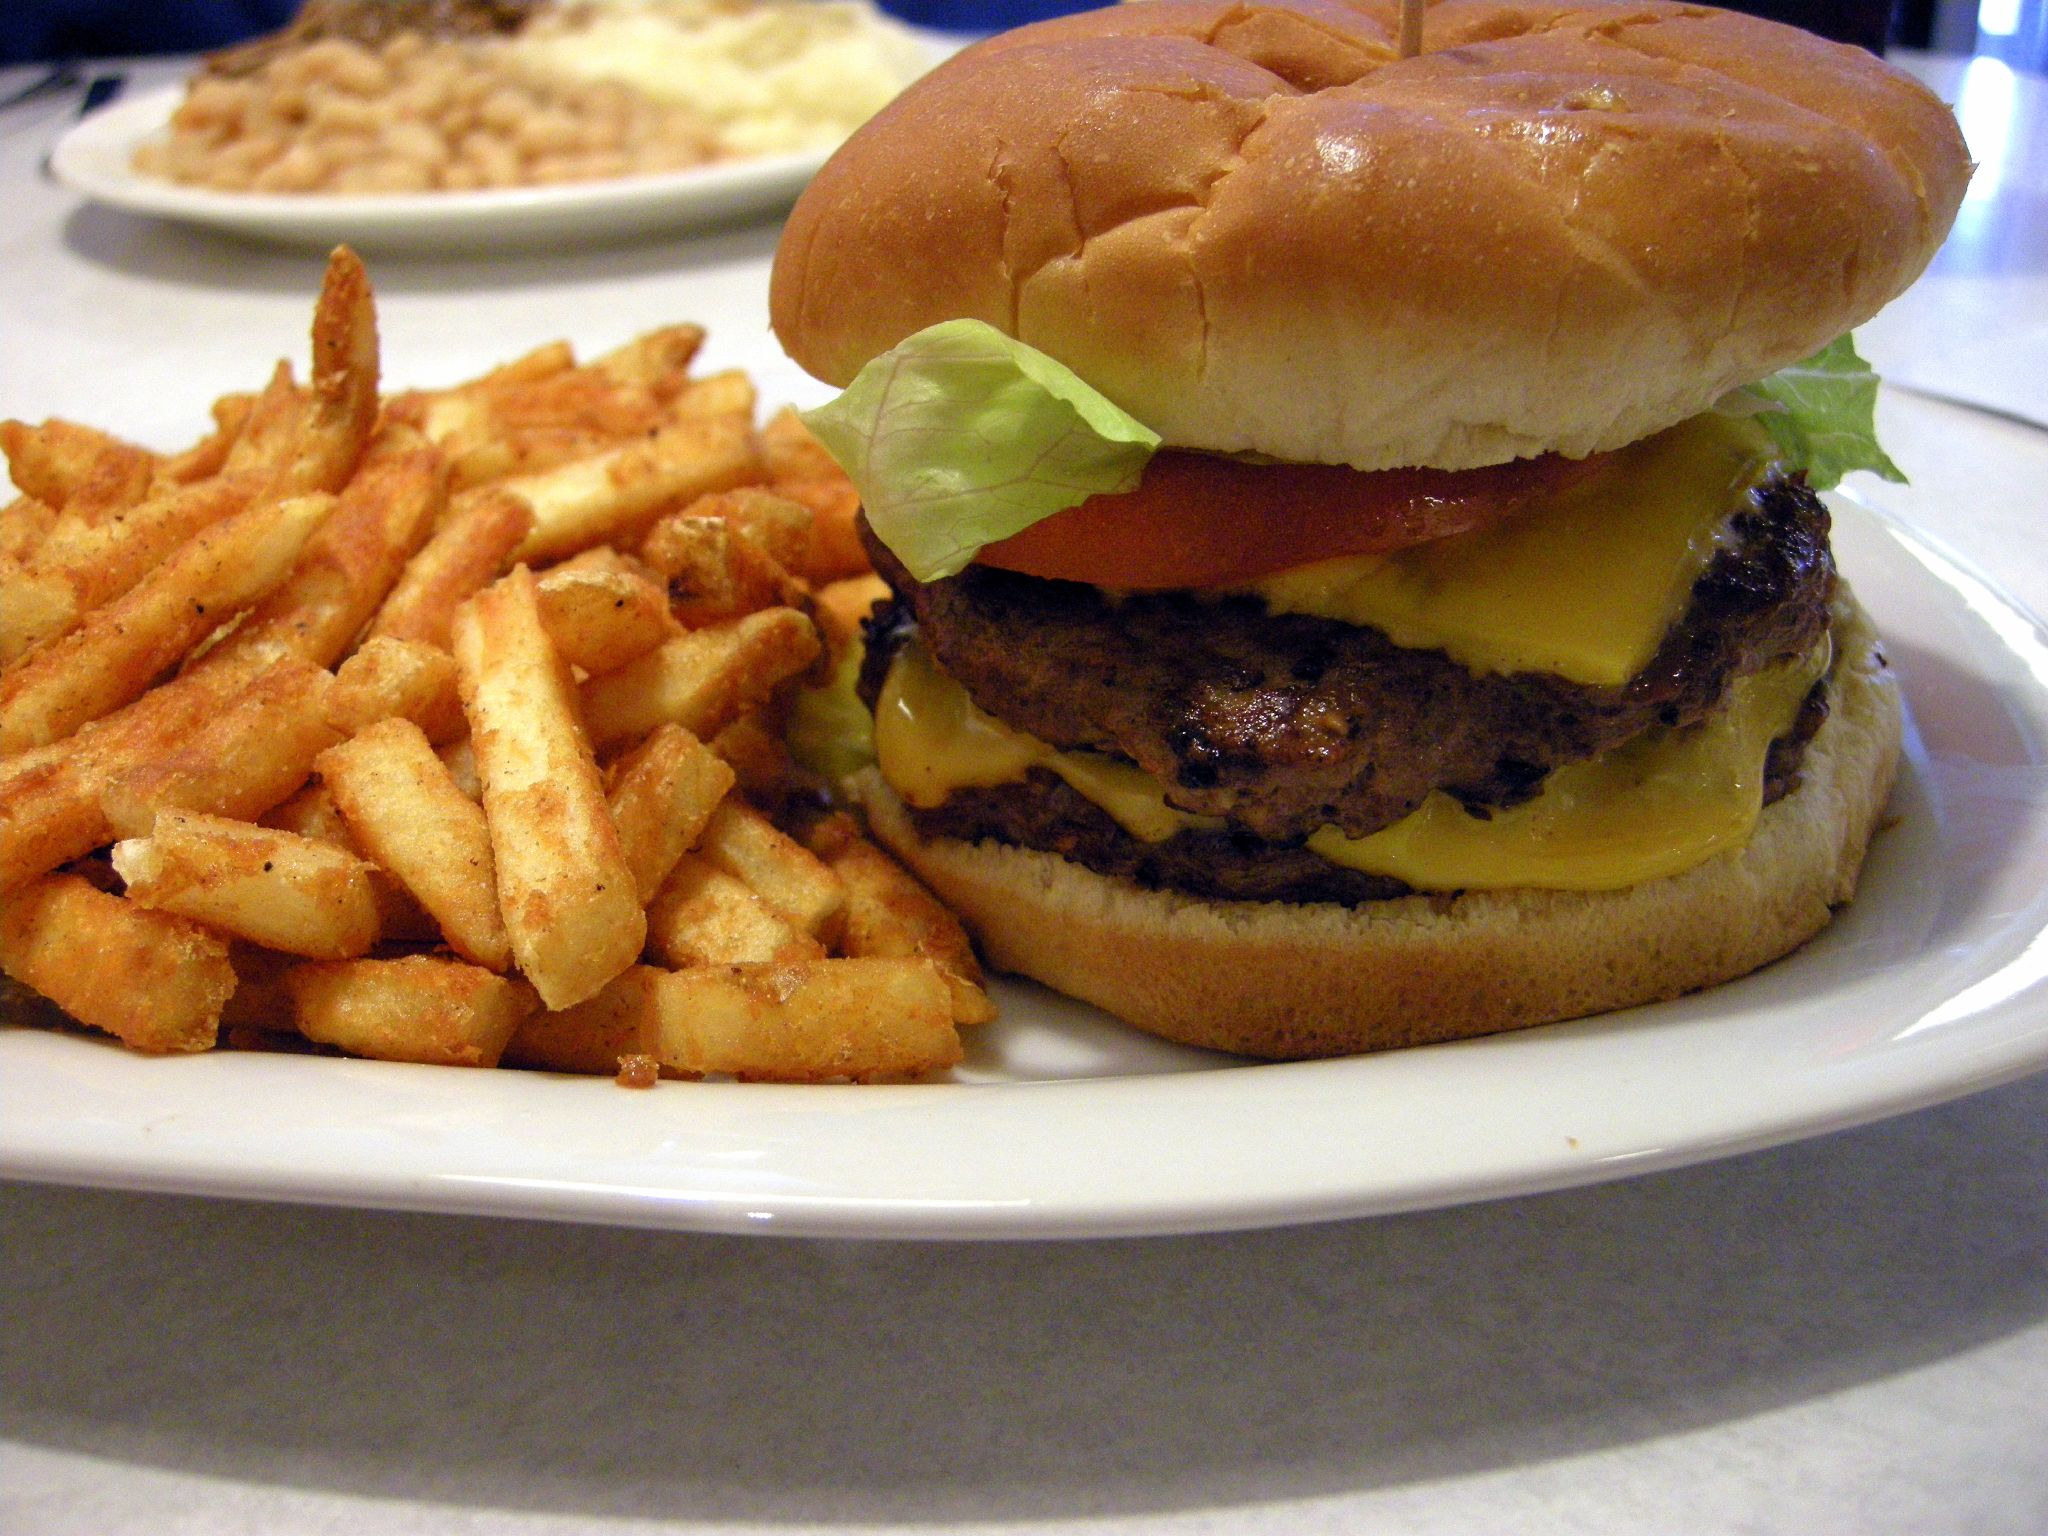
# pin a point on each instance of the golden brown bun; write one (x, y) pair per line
(1560, 227)
(1280, 980)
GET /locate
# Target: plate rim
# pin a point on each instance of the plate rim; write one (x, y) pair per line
(1891, 1082)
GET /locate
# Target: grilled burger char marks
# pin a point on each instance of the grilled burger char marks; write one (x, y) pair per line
(1285, 723)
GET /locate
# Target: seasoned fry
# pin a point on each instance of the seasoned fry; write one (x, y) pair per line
(840, 607)
(808, 1022)
(727, 395)
(319, 586)
(251, 754)
(564, 886)
(272, 888)
(602, 619)
(715, 570)
(792, 880)
(154, 981)
(57, 462)
(663, 792)
(420, 1008)
(24, 524)
(348, 568)
(889, 913)
(704, 916)
(81, 565)
(270, 432)
(459, 758)
(113, 656)
(658, 362)
(336, 424)
(406, 813)
(702, 680)
(209, 456)
(397, 679)
(467, 554)
(790, 452)
(756, 752)
(614, 496)
(593, 1035)
(835, 551)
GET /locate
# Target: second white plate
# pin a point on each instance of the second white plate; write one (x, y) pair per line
(96, 156)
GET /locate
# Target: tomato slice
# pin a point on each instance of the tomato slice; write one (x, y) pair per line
(1201, 520)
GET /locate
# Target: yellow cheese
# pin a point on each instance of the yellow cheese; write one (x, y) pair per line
(931, 739)
(1585, 585)
(1659, 804)
(1656, 805)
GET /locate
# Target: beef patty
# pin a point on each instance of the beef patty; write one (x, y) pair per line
(1044, 812)
(1284, 723)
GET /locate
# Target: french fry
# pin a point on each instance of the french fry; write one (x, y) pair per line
(663, 792)
(836, 551)
(704, 916)
(759, 756)
(24, 524)
(466, 554)
(658, 362)
(702, 680)
(406, 813)
(270, 431)
(251, 754)
(400, 917)
(728, 395)
(113, 656)
(57, 462)
(810, 1022)
(335, 427)
(602, 619)
(154, 981)
(397, 679)
(592, 1036)
(614, 496)
(889, 913)
(459, 758)
(81, 565)
(790, 452)
(271, 888)
(715, 571)
(420, 1008)
(209, 456)
(260, 1000)
(794, 882)
(347, 569)
(841, 607)
(564, 886)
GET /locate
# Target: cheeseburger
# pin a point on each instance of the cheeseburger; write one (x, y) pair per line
(1357, 573)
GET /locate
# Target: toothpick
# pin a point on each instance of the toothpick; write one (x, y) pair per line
(1411, 28)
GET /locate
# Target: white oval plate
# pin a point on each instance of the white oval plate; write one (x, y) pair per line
(95, 157)
(1935, 983)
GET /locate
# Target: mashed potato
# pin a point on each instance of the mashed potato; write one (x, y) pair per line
(767, 75)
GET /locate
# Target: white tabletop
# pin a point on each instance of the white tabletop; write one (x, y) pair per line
(1845, 1335)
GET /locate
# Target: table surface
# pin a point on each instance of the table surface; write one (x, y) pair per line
(1845, 1335)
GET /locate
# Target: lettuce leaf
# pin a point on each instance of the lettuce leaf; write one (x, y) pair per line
(959, 436)
(1819, 413)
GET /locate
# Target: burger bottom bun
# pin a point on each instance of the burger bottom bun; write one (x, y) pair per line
(1281, 980)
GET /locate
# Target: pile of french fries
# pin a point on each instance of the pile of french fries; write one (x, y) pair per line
(444, 727)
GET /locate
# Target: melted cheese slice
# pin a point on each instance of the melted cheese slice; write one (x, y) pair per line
(1584, 585)
(1663, 802)
(931, 739)
(1654, 806)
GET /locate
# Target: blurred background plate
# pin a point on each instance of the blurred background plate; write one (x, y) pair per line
(94, 158)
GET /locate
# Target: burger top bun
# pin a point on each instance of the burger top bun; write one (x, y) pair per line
(1561, 227)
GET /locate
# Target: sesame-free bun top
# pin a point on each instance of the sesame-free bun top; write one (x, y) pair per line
(1561, 227)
